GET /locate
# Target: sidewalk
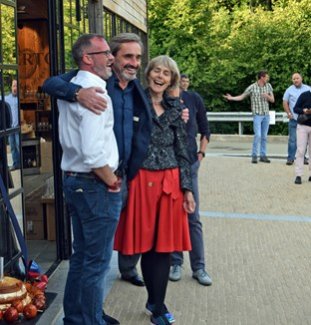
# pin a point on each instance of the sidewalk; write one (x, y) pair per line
(257, 229)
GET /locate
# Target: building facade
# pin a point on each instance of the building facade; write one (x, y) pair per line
(35, 42)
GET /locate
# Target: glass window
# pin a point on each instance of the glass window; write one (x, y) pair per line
(118, 25)
(9, 101)
(9, 111)
(84, 16)
(73, 28)
(108, 25)
(8, 34)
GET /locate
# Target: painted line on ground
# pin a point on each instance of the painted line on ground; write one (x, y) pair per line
(258, 217)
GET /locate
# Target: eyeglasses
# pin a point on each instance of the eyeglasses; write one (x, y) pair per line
(106, 53)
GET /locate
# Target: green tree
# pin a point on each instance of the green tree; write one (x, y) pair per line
(222, 50)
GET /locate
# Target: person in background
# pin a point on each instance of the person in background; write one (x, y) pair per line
(289, 100)
(197, 123)
(6, 124)
(91, 187)
(261, 94)
(14, 141)
(154, 223)
(303, 107)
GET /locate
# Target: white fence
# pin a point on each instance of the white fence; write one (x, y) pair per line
(240, 117)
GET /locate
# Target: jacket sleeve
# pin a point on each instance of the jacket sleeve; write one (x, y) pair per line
(61, 87)
(201, 118)
(300, 104)
(182, 155)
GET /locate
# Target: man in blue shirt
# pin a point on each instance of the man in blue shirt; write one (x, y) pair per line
(12, 100)
(197, 123)
(289, 100)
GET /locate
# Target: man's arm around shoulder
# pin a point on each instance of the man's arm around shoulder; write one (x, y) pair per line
(61, 88)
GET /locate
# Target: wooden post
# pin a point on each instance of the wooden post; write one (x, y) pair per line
(96, 16)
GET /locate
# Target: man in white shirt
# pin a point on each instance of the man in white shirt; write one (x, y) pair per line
(92, 190)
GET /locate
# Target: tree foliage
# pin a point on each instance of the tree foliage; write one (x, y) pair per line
(222, 44)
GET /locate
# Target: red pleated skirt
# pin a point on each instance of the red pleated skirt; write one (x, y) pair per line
(154, 217)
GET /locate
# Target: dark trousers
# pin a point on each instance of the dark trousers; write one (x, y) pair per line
(127, 265)
(195, 226)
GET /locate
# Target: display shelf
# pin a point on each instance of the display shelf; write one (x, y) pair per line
(31, 156)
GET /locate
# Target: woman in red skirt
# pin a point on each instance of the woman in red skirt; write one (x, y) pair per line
(154, 222)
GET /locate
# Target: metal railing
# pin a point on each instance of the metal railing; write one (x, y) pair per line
(240, 117)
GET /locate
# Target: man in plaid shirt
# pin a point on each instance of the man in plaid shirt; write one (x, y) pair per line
(261, 94)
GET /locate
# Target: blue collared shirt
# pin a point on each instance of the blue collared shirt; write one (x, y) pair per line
(291, 95)
(122, 100)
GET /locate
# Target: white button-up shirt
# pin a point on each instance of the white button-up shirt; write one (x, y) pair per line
(87, 139)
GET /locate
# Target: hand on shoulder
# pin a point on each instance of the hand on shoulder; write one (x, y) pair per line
(91, 99)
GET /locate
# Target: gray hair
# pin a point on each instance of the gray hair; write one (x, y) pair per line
(82, 44)
(116, 41)
(167, 62)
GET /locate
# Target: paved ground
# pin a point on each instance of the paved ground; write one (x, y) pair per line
(257, 227)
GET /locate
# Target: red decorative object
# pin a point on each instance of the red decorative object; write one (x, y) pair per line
(18, 305)
(30, 311)
(11, 315)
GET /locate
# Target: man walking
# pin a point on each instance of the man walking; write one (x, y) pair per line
(197, 123)
(91, 188)
(289, 100)
(261, 94)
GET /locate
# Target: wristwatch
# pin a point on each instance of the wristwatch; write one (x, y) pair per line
(202, 153)
(75, 96)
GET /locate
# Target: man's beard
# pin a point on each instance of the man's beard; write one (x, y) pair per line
(124, 74)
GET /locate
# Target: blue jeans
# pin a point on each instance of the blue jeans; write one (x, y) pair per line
(261, 128)
(14, 145)
(292, 139)
(94, 212)
(195, 227)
